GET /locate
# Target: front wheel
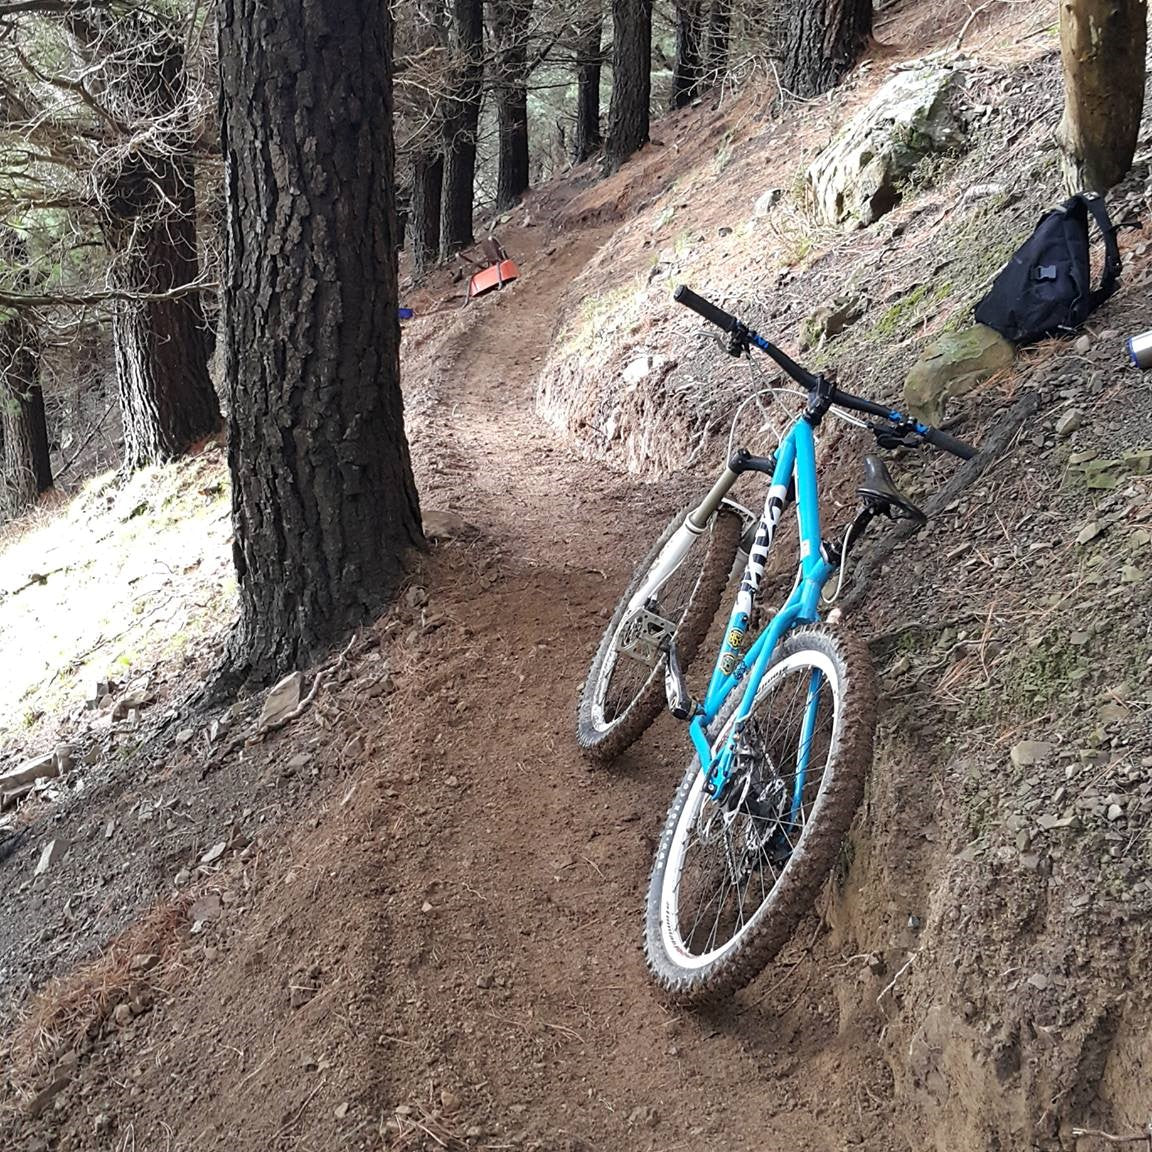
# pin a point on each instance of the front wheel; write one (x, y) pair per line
(734, 875)
(624, 690)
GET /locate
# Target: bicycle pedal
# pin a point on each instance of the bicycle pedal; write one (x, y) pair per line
(680, 702)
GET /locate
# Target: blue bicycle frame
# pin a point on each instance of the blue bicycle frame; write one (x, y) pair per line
(795, 463)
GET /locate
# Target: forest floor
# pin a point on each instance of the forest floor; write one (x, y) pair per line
(412, 918)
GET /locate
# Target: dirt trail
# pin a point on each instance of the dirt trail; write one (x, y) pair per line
(522, 991)
(444, 949)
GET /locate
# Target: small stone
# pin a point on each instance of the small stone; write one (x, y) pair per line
(1079, 639)
(1069, 422)
(416, 597)
(914, 923)
(1114, 812)
(474, 1132)
(207, 909)
(440, 524)
(102, 1124)
(485, 980)
(110, 829)
(766, 201)
(211, 954)
(1029, 752)
(144, 962)
(182, 877)
(51, 854)
(1083, 344)
(426, 907)
(300, 760)
(644, 1116)
(282, 699)
(341, 1110)
(449, 1102)
(214, 853)
(122, 1016)
(1038, 980)
(1090, 531)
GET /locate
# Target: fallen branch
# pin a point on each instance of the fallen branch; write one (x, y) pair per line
(1140, 1138)
(967, 475)
(111, 295)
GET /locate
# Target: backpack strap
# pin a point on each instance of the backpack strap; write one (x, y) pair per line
(1095, 205)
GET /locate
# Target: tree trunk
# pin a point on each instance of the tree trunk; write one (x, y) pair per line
(461, 117)
(1102, 47)
(689, 69)
(25, 467)
(510, 22)
(148, 216)
(719, 27)
(631, 80)
(323, 500)
(589, 57)
(823, 41)
(424, 210)
(166, 396)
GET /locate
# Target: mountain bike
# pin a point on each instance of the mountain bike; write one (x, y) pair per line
(782, 738)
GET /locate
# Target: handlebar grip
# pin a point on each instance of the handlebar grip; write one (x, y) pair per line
(948, 443)
(725, 320)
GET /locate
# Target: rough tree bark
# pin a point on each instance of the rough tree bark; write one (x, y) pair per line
(510, 24)
(589, 59)
(25, 465)
(461, 118)
(689, 68)
(147, 201)
(719, 27)
(631, 80)
(424, 210)
(324, 504)
(823, 41)
(1102, 47)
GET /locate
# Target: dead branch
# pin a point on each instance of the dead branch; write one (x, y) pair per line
(31, 300)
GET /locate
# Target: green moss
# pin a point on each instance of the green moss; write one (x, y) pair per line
(911, 307)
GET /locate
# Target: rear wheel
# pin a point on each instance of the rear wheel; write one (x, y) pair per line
(734, 875)
(624, 689)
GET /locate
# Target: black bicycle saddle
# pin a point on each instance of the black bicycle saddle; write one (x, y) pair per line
(880, 494)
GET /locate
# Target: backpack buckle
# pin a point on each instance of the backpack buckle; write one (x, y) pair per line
(1045, 272)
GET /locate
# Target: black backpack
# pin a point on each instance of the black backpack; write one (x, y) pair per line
(1046, 288)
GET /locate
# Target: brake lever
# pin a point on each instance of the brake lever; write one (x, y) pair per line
(891, 436)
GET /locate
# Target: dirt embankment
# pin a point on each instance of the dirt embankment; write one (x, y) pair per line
(422, 928)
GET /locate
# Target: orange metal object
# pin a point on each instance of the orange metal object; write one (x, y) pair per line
(494, 277)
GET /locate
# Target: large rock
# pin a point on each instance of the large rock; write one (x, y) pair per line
(38, 768)
(860, 175)
(282, 699)
(953, 365)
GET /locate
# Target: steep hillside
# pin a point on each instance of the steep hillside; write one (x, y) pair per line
(410, 918)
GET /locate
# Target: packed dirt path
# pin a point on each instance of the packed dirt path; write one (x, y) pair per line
(521, 990)
(444, 951)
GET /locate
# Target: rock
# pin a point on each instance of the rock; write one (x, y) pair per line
(830, 319)
(1049, 823)
(50, 854)
(449, 1102)
(214, 853)
(860, 175)
(182, 877)
(1090, 531)
(1069, 422)
(133, 701)
(102, 1124)
(416, 597)
(110, 829)
(638, 369)
(1114, 812)
(485, 980)
(341, 1110)
(1038, 980)
(282, 699)
(299, 761)
(953, 365)
(1083, 344)
(39, 1103)
(766, 201)
(207, 909)
(184, 736)
(143, 962)
(440, 524)
(1029, 752)
(38, 768)
(122, 1016)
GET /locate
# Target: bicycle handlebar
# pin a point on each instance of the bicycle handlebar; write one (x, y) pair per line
(729, 323)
